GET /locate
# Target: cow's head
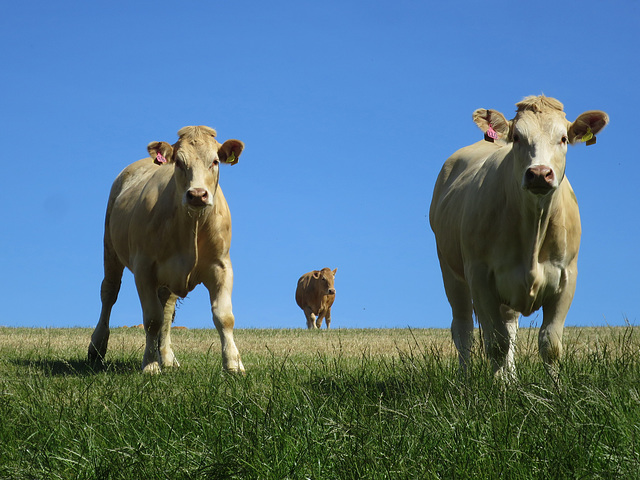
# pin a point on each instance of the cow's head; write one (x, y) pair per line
(538, 136)
(195, 158)
(325, 279)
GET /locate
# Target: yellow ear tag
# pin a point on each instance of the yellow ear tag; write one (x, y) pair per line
(587, 136)
(231, 158)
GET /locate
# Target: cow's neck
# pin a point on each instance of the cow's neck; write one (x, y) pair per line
(190, 228)
(536, 225)
(534, 232)
(194, 250)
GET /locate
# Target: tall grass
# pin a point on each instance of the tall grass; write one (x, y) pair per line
(346, 404)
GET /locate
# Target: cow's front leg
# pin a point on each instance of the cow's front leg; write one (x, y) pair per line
(554, 314)
(167, 357)
(327, 318)
(220, 287)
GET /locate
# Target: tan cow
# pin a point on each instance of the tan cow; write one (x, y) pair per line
(169, 223)
(315, 294)
(507, 228)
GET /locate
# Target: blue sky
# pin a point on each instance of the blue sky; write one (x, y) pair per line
(347, 109)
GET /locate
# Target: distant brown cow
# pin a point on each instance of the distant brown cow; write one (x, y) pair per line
(169, 223)
(507, 228)
(315, 295)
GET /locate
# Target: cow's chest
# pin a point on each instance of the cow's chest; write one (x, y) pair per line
(525, 289)
(177, 273)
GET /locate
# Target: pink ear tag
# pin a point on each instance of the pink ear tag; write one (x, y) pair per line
(491, 133)
(160, 159)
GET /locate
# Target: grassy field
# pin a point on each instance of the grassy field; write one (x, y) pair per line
(341, 404)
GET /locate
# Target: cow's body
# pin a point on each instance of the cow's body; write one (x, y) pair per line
(169, 223)
(507, 229)
(315, 295)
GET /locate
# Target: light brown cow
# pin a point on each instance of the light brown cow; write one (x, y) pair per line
(507, 229)
(169, 223)
(315, 294)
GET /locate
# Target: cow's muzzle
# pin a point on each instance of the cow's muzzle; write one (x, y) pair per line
(539, 179)
(198, 197)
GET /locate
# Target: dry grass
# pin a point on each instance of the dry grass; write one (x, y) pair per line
(302, 344)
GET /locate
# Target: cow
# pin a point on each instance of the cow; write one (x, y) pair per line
(507, 229)
(168, 222)
(315, 294)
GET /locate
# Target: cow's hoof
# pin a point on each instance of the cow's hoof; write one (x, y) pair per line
(169, 360)
(152, 368)
(94, 356)
(235, 367)
(172, 364)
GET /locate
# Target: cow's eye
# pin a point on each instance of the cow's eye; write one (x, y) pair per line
(516, 138)
(564, 139)
(215, 163)
(180, 164)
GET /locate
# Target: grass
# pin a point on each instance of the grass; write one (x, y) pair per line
(348, 404)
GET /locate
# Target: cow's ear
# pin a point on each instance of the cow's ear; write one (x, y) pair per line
(492, 123)
(335, 271)
(230, 151)
(316, 274)
(586, 126)
(161, 152)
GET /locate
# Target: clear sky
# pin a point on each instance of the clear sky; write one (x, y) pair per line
(348, 109)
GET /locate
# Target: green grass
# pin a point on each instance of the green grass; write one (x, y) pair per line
(347, 404)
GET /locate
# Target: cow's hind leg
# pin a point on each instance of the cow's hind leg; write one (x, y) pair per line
(510, 320)
(153, 319)
(220, 286)
(108, 295)
(459, 298)
(311, 319)
(168, 300)
(499, 328)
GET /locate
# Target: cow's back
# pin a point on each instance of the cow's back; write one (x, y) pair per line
(462, 169)
(137, 210)
(465, 190)
(303, 292)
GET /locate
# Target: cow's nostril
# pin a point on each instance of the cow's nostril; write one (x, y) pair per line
(197, 197)
(539, 178)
